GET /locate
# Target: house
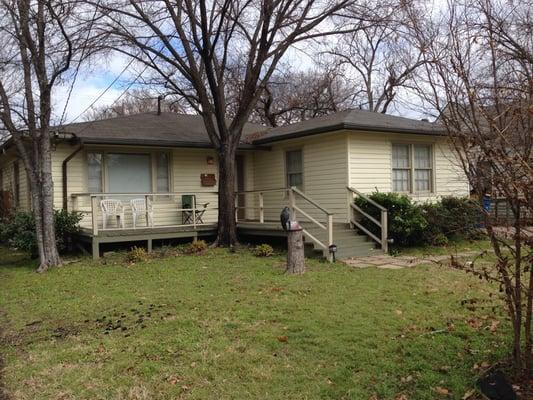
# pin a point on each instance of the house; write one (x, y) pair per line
(316, 167)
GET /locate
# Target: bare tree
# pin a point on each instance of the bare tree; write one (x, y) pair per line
(197, 47)
(380, 59)
(40, 42)
(297, 96)
(137, 101)
(479, 77)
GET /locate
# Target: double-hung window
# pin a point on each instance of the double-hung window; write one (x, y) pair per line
(412, 168)
(294, 168)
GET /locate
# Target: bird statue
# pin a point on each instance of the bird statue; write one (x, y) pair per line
(285, 218)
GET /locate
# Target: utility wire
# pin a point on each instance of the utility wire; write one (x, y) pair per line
(79, 64)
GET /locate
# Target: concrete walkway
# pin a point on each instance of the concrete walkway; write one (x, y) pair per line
(385, 261)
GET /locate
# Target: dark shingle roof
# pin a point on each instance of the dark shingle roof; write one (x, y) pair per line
(149, 129)
(350, 119)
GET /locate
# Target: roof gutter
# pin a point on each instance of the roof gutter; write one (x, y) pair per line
(64, 170)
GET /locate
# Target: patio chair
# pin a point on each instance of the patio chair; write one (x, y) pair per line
(142, 207)
(189, 215)
(112, 208)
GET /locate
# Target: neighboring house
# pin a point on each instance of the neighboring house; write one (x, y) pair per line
(168, 158)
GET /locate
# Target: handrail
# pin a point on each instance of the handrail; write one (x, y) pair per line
(292, 191)
(364, 196)
(137, 194)
(300, 193)
(381, 224)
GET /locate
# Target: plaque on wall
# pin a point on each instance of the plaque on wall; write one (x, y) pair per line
(208, 179)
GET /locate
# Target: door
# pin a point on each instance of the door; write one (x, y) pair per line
(239, 184)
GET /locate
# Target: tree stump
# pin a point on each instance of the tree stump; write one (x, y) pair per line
(295, 253)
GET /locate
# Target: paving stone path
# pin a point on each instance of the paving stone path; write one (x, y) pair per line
(385, 261)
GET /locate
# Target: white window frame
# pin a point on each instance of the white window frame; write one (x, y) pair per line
(153, 166)
(287, 151)
(412, 169)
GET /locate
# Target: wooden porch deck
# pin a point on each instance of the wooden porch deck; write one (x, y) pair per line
(149, 234)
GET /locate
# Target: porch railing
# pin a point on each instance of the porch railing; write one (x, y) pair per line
(355, 214)
(296, 200)
(167, 209)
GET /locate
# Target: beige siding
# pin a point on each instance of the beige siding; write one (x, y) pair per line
(324, 169)
(371, 164)
(7, 165)
(186, 167)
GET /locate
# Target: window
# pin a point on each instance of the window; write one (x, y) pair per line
(412, 168)
(401, 168)
(128, 173)
(422, 157)
(95, 168)
(294, 167)
(162, 173)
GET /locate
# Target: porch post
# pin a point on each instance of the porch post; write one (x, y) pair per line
(94, 214)
(384, 231)
(261, 208)
(292, 204)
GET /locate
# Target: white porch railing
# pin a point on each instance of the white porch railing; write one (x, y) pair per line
(297, 201)
(167, 209)
(355, 213)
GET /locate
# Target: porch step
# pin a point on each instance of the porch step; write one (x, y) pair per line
(349, 242)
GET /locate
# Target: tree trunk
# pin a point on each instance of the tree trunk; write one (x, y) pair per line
(295, 252)
(47, 209)
(227, 227)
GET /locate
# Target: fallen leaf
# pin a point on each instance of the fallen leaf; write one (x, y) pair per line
(468, 394)
(441, 390)
(401, 396)
(494, 325)
(283, 339)
(406, 379)
(474, 323)
(399, 312)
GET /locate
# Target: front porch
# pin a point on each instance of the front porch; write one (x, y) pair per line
(134, 217)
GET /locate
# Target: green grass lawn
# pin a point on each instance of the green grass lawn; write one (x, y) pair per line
(232, 326)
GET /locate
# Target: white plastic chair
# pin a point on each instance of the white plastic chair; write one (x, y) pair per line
(112, 208)
(140, 207)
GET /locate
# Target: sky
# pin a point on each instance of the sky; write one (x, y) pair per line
(94, 79)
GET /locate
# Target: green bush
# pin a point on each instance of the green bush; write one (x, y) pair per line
(263, 250)
(436, 223)
(19, 231)
(405, 218)
(451, 217)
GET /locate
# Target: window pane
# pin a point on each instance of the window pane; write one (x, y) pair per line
(422, 180)
(94, 161)
(294, 161)
(401, 180)
(295, 180)
(400, 156)
(163, 184)
(129, 173)
(422, 156)
(294, 166)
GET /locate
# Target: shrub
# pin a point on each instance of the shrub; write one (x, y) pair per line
(137, 254)
(263, 250)
(66, 224)
(405, 219)
(451, 217)
(196, 247)
(19, 231)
